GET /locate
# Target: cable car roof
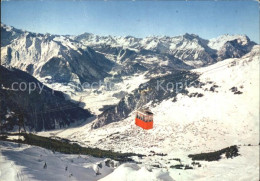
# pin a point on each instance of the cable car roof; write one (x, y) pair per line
(145, 111)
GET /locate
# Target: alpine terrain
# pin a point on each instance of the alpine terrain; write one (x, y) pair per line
(79, 96)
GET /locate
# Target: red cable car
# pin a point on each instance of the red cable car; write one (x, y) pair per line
(144, 119)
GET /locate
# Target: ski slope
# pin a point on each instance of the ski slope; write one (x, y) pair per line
(24, 162)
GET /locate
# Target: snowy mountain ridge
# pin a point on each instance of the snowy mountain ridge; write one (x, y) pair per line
(217, 43)
(179, 46)
(36, 53)
(151, 41)
(90, 57)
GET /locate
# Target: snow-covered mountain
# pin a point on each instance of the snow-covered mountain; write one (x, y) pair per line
(90, 57)
(57, 57)
(189, 48)
(63, 59)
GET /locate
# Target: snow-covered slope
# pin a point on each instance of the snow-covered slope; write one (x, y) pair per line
(132, 172)
(243, 168)
(222, 111)
(24, 162)
(228, 104)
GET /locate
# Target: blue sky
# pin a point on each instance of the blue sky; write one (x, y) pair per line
(208, 19)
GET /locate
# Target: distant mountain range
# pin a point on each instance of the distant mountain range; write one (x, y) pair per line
(90, 57)
(189, 48)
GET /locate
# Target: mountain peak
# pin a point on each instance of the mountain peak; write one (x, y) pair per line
(217, 43)
(190, 36)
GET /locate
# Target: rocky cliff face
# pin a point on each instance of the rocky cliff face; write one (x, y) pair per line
(42, 108)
